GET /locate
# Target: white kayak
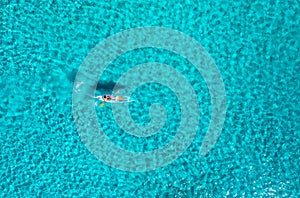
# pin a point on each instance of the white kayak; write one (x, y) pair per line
(116, 99)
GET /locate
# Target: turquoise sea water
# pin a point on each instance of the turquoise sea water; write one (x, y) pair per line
(255, 46)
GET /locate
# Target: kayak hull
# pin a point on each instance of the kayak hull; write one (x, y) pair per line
(116, 99)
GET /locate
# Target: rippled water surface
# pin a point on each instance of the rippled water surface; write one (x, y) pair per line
(255, 47)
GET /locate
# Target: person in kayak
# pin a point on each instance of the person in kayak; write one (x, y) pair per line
(107, 98)
(114, 99)
(110, 98)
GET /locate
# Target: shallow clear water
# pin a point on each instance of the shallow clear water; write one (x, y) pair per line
(255, 46)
